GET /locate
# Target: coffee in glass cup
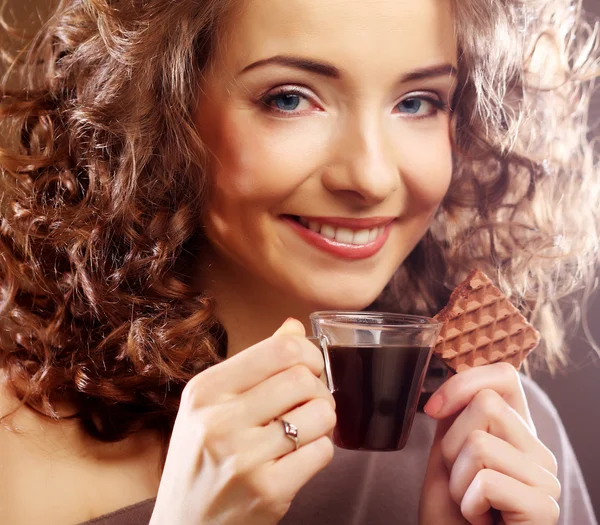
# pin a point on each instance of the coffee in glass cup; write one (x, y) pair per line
(375, 365)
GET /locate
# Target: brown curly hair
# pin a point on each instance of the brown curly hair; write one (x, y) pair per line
(102, 184)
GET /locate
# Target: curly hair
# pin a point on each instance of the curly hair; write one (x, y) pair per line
(102, 184)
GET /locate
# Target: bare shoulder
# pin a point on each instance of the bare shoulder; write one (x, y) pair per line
(52, 473)
(29, 451)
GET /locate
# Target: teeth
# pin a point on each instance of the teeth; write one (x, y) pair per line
(343, 235)
(314, 226)
(328, 231)
(361, 237)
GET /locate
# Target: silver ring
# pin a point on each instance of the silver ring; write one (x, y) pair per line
(291, 432)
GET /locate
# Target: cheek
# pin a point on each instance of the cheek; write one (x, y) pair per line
(427, 168)
(254, 167)
(262, 162)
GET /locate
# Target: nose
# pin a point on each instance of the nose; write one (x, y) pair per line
(364, 168)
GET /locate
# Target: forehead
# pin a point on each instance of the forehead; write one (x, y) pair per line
(374, 33)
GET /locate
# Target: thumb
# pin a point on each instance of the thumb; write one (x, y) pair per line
(291, 327)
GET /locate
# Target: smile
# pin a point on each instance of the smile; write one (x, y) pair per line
(344, 238)
(343, 235)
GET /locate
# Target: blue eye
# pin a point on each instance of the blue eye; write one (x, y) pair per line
(286, 101)
(411, 105)
(421, 106)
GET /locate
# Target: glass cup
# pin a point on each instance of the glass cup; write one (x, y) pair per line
(375, 365)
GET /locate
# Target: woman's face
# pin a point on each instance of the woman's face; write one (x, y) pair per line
(329, 135)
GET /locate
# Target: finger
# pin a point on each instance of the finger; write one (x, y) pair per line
(294, 470)
(291, 327)
(517, 502)
(313, 421)
(251, 367)
(484, 451)
(456, 393)
(488, 412)
(280, 394)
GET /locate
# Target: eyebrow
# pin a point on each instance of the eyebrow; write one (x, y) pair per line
(320, 68)
(330, 71)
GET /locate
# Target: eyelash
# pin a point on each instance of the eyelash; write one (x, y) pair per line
(439, 105)
(265, 102)
(267, 99)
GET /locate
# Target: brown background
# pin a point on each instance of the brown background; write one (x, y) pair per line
(576, 390)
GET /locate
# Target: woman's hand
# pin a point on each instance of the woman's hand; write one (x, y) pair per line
(487, 465)
(229, 461)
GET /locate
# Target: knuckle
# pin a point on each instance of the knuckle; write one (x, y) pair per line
(324, 393)
(221, 452)
(215, 424)
(303, 380)
(478, 445)
(287, 350)
(509, 372)
(489, 403)
(317, 357)
(214, 431)
(236, 466)
(447, 450)
(553, 511)
(455, 489)
(330, 399)
(325, 413)
(484, 479)
(193, 393)
(326, 450)
(555, 489)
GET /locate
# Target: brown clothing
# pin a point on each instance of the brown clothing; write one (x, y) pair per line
(362, 488)
(138, 514)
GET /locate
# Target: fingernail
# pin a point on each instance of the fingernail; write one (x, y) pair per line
(434, 405)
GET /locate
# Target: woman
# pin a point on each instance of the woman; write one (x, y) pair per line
(178, 178)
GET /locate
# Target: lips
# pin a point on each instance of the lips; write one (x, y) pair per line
(344, 237)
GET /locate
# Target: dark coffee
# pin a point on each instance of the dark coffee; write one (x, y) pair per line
(376, 390)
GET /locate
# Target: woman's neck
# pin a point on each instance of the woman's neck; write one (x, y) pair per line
(247, 325)
(248, 310)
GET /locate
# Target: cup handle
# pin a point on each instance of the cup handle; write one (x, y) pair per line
(321, 343)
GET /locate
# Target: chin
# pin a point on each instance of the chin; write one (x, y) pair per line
(345, 298)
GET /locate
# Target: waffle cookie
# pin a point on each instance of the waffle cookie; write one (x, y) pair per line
(481, 326)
